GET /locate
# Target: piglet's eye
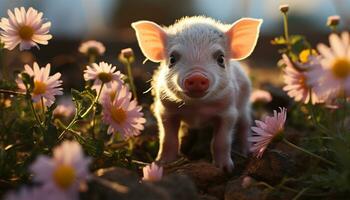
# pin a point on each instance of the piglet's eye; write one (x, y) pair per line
(173, 58)
(221, 60)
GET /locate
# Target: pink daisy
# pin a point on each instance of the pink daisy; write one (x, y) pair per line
(267, 130)
(122, 114)
(297, 86)
(152, 172)
(111, 92)
(63, 174)
(260, 96)
(92, 47)
(333, 77)
(102, 73)
(26, 28)
(45, 86)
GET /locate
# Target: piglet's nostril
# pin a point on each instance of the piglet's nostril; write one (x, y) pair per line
(196, 84)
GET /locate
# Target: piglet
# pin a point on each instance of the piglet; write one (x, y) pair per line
(199, 81)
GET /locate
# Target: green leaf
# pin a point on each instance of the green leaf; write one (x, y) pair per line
(279, 41)
(341, 148)
(7, 85)
(296, 38)
(93, 147)
(82, 100)
(27, 80)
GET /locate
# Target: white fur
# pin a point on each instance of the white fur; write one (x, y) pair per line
(226, 104)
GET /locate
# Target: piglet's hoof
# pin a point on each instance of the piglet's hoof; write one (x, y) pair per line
(225, 165)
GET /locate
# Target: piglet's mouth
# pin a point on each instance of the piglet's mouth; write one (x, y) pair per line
(195, 94)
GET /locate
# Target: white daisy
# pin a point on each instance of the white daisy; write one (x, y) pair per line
(122, 114)
(45, 86)
(63, 174)
(333, 78)
(102, 73)
(92, 47)
(26, 28)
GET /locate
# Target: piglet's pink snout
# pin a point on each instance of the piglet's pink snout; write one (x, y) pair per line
(196, 85)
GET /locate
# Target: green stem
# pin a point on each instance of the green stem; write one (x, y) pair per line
(344, 112)
(93, 123)
(333, 28)
(308, 152)
(75, 119)
(35, 115)
(300, 193)
(286, 33)
(93, 103)
(11, 92)
(131, 79)
(92, 59)
(313, 118)
(94, 113)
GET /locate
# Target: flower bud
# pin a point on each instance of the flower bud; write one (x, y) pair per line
(333, 20)
(284, 8)
(126, 55)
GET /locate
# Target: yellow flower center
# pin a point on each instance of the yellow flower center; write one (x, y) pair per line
(39, 88)
(304, 55)
(118, 115)
(64, 176)
(278, 136)
(105, 77)
(26, 32)
(341, 68)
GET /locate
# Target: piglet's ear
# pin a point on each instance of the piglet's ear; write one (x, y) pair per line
(151, 38)
(242, 37)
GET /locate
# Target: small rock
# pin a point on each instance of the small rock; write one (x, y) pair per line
(202, 173)
(120, 175)
(272, 167)
(123, 184)
(217, 190)
(178, 187)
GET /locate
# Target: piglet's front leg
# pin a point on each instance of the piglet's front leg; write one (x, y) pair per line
(221, 142)
(168, 138)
